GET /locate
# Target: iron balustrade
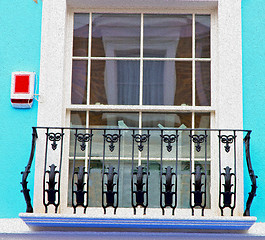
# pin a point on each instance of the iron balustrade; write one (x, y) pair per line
(170, 141)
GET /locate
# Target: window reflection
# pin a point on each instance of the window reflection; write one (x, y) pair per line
(115, 82)
(79, 82)
(183, 90)
(166, 32)
(202, 36)
(203, 83)
(167, 120)
(154, 75)
(114, 120)
(81, 28)
(112, 32)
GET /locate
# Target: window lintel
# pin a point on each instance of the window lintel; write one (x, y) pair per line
(113, 4)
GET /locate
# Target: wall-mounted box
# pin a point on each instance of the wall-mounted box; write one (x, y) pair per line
(22, 89)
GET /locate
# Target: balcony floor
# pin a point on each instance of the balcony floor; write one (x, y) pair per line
(17, 229)
(135, 224)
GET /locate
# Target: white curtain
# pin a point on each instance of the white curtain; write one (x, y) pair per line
(128, 82)
(153, 93)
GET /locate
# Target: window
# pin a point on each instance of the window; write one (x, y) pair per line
(206, 94)
(141, 59)
(159, 64)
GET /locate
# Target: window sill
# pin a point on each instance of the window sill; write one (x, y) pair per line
(196, 224)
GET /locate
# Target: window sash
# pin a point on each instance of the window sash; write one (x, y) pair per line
(194, 61)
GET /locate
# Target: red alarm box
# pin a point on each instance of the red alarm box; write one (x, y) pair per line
(22, 89)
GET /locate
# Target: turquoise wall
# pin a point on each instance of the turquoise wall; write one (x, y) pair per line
(20, 37)
(253, 31)
(20, 40)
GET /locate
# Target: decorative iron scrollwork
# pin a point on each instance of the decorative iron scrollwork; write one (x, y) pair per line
(25, 173)
(51, 191)
(80, 193)
(112, 138)
(140, 175)
(227, 139)
(198, 193)
(140, 192)
(227, 194)
(198, 140)
(252, 175)
(83, 138)
(140, 139)
(168, 193)
(227, 185)
(110, 193)
(55, 137)
(139, 185)
(169, 139)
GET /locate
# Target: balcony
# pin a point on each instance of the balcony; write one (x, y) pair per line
(149, 178)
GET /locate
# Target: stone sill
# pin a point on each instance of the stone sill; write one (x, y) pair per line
(70, 222)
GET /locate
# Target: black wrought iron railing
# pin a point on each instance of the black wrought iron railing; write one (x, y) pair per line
(89, 149)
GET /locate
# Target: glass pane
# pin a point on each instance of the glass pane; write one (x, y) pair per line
(79, 82)
(95, 184)
(167, 83)
(183, 189)
(202, 120)
(167, 36)
(81, 29)
(115, 82)
(153, 183)
(168, 120)
(77, 120)
(183, 89)
(203, 36)
(115, 121)
(203, 83)
(154, 82)
(114, 32)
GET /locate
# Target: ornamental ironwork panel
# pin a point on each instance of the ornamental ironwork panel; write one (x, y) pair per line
(52, 169)
(167, 153)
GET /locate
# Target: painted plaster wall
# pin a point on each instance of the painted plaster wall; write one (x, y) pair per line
(253, 32)
(20, 38)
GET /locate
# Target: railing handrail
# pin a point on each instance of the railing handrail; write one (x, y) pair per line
(146, 128)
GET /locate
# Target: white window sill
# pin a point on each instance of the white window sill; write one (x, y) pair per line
(189, 224)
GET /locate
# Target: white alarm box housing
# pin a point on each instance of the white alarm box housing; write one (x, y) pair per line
(22, 89)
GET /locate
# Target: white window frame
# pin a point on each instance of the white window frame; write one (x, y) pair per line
(55, 69)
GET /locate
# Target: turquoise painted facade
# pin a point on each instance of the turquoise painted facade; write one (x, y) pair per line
(253, 33)
(20, 38)
(20, 41)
